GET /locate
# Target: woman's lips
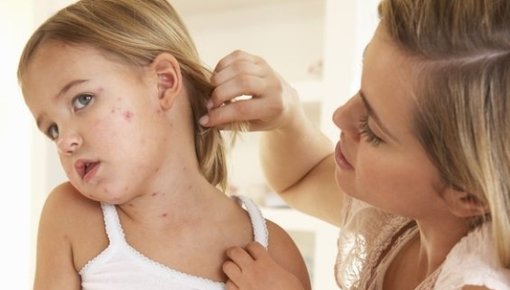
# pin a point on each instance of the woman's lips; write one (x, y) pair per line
(340, 158)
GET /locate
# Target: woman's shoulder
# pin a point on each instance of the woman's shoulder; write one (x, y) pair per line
(474, 261)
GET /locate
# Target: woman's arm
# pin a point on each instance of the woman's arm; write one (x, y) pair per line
(298, 163)
(297, 158)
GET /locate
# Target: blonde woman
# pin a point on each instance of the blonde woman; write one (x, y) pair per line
(118, 87)
(423, 158)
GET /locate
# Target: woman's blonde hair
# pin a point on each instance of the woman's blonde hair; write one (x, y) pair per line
(137, 31)
(462, 49)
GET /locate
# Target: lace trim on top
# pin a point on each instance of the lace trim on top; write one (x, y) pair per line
(403, 238)
(365, 253)
(117, 240)
(366, 233)
(368, 241)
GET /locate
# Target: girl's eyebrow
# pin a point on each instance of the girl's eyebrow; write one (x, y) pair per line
(68, 86)
(373, 115)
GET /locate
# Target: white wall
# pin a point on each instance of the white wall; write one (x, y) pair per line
(25, 174)
(288, 34)
(16, 151)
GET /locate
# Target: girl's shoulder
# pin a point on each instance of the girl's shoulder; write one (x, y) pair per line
(285, 252)
(66, 194)
(65, 206)
(474, 261)
(75, 221)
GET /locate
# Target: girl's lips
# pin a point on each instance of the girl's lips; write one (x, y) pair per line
(90, 171)
(86, 169)
(340, 158)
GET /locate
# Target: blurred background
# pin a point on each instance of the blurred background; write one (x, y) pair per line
(315, 44)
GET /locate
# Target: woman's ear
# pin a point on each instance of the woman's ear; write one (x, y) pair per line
(464, 204)
(169, 81)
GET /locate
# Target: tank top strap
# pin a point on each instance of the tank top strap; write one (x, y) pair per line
(258, 222)
(112, 224)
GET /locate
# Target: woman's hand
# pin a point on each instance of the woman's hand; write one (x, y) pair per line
(253, 269)
(247, 89)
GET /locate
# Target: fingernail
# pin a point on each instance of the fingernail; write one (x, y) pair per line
(209, 104)
(204, 120)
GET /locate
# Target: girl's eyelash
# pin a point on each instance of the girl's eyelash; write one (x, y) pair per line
(367, 133)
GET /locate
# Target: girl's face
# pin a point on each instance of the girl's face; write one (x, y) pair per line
(379, 160)
(103, 116)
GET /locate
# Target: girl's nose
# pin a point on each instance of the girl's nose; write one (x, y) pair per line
(68, 143)
(348, 117)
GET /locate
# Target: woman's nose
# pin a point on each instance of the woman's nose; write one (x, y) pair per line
(348, 116)
(68, 143)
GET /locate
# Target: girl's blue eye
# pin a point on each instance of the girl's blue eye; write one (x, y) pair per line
(366, 132)
(52, 132)
(81, 101)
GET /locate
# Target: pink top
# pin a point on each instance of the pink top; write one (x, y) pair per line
(368, 233)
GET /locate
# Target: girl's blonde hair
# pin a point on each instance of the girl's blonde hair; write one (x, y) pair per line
(462, 50)
(137, 31)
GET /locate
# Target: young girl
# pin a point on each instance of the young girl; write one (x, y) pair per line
(422, 162)
(117, 85)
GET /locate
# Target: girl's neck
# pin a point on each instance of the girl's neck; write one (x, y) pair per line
(172, 200)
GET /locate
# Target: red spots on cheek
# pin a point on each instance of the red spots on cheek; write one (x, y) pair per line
(128, 115)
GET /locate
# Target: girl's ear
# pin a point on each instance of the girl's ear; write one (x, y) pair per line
(169, 81)
(464, 204)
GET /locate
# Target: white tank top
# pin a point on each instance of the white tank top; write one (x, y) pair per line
(121, 267)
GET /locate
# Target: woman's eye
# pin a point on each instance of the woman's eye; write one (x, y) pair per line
(368, 134)
(52, 132)
(81, 101)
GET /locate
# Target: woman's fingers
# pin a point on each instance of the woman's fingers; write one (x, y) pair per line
(256, 250)
(240, 257)
(229, 285)
(247, 89)
(240, 85)
(257, 113)
(234, 56)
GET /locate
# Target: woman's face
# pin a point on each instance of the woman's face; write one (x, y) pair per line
(379, 159)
